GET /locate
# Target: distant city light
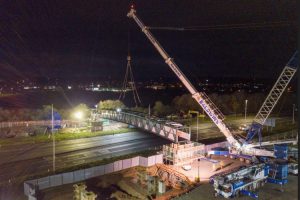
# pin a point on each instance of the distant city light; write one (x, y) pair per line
(69, 87)
(119, 110)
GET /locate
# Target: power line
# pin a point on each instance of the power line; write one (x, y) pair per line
(226, 26)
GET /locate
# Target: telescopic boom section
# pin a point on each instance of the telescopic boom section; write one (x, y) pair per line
(208, 106)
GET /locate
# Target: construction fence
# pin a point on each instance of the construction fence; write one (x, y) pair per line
(69, 123)
(32, 186)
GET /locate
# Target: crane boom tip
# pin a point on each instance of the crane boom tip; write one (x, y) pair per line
(131, 11)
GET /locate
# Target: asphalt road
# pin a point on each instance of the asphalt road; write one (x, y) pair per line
(210, 130)
(20, 161)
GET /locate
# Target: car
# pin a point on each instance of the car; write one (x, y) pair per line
(161, 120)
(187, 167)
(174, 124)
(293, 168)
(244, 127)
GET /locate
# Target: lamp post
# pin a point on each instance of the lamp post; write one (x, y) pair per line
(198, 170)
(246, 101)
(197, 124)
(53, 137)
(293, 113)
(94, 116)
(78, 115)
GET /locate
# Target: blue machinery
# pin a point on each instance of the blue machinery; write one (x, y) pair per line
(241, 182)
(246, 180)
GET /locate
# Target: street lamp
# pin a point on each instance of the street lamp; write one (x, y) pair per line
(53, 138)
(294, 109)
(119, 110)
(199, 169)
(246, 101)
(78, 115)
(197, 125)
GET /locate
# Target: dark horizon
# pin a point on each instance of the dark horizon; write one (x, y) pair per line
(75, 40)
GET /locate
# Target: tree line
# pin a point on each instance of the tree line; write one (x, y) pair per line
(234, 103)
(228, 104)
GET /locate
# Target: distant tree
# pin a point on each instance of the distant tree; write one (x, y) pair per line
(45, 112)
(185, 103)
(4, 114)
(160, 109)
(140, 109)
(110, 104)
(27, 114)
(65, 113)
(255, 101)
(235, 103)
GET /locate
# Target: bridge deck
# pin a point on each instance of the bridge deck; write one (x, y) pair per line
(147, 124)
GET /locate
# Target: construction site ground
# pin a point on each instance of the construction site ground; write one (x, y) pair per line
(127, 184)
(122, 185)
(209, 167)
(268, 192)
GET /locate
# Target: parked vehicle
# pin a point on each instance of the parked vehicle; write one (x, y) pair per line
(187, 167)
(244, 127)
(293, 168)
(174, 124)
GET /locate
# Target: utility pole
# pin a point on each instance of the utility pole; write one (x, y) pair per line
(53, 138)
(149, 111)
(246, 101)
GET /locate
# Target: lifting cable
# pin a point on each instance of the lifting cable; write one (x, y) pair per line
(128, 78)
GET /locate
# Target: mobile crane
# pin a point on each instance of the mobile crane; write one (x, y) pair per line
(275, 170)
(203, 100)
(254, 176)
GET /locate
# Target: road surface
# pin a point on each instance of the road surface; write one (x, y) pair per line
(20, 161)
(208, 130)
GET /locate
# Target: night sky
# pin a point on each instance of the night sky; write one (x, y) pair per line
(88, 40)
